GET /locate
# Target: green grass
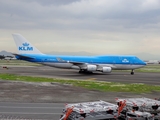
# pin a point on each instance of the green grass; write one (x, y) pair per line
(150, 68)
(92, 85)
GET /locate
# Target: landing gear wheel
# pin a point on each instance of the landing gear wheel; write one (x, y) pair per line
(132, 72)
(80, 71)
(85, 71)
(89, 72)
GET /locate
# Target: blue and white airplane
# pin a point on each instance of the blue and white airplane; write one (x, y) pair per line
(84, 64)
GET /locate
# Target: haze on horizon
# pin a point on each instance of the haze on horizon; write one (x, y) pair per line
(94, 26)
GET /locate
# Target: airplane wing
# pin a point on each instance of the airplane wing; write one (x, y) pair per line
(73, 62)
(77, 63)
(82, 65)
(22, 56)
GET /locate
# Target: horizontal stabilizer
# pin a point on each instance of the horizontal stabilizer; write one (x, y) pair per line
(22, 56)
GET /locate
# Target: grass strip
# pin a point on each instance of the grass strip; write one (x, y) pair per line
(92, 85)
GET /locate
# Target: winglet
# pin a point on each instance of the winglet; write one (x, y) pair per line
(24, 46)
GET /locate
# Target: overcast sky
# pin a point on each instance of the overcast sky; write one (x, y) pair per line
(95, 26)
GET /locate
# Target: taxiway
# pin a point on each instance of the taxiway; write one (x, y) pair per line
(115, 76)
(28, 111)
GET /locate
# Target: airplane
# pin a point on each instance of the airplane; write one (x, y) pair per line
(152, 61)
(85, 64)
(2, 57)
(9, 58)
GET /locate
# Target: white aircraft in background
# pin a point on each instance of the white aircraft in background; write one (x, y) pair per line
(152, 61)
(3, 57)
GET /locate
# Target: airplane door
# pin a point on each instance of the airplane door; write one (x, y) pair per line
(131, 62)
(114, 60)
(91, 61)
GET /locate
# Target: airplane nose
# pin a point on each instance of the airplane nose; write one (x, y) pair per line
(144, 63)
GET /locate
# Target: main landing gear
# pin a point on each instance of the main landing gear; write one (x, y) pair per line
(132, 72)
(84, 71)
(81, 71)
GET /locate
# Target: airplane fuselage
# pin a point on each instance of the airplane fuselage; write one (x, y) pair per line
(85, 64)
(113, 61)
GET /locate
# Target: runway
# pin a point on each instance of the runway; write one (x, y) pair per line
(123, 77)
(34, 111)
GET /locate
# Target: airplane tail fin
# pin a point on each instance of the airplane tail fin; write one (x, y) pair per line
(24, 46)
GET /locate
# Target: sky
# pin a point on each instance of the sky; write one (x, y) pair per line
(94, 26)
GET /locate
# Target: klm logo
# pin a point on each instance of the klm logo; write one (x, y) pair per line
(25, 47)
(125, 61)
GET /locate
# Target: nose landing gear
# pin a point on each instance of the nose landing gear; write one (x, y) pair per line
(132, 72)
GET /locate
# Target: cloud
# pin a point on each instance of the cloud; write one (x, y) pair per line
(84, 14)
(121, 24)
(52, 2)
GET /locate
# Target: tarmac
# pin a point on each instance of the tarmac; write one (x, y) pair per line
(115, 76)
(30, 111)
(45, 101)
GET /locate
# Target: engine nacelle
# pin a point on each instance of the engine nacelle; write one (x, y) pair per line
(106, 69)
(91, 68)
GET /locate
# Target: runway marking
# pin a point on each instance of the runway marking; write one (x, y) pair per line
(91, 78)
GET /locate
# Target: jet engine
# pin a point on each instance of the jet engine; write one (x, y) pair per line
(106, 69)
(91, 68)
